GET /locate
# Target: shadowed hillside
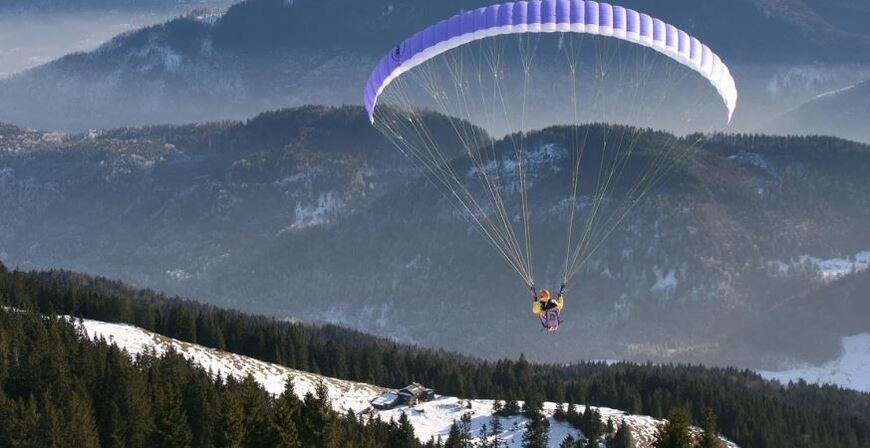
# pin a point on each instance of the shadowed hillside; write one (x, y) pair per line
(274, 214)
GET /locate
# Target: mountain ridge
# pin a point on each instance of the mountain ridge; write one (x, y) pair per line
(254, 215)
(65, 6)
(840, 112)
(270, 54)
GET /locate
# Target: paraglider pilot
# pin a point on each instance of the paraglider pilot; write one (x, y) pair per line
(548, 308)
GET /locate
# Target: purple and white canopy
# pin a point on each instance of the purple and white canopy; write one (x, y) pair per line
(546, 16)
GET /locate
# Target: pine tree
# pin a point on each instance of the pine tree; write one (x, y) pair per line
(370, 432)
(537, 433)
(592, 427)
(586, 419)
(453, 436)
(710, 435)
(511, 408)
(112, 430)
(231, 431)
(568, 442)
(201, 400)
(331, 431)
(26, 431)
(170, 419)
(484, 437)
(6, 405)
(495, 431)
(675, 432)
(611, 428)
(560, 415)
(405, 435)
(594, 441)
(108, 415)
(496, 407)
(82, 430)
(571, 412)
(50, 424)
(460, 433)
(182, 324)
(465, 428)
(318, 422)
(258, 414)
(286, 417)
(623, 437)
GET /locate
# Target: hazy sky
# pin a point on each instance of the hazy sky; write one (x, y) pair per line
(29, 40)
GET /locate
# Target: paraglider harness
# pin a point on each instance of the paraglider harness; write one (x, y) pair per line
(551, 315)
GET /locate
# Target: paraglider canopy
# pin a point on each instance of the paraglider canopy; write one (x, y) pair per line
(575, 16)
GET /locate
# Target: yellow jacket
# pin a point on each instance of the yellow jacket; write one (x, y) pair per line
(538, 305)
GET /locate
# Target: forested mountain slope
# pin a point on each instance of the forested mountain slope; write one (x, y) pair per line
(310, 214)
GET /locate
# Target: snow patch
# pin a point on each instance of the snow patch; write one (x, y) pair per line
(834, 92)
(834, 268)
(665, 283)
(328, 205)
(751, 158)
(159, 57)
(850, 370)
(136, 341)
(756, 160)
(207, 16)
(541, 161)
(305, 177)
(830, 269)
(178, 274)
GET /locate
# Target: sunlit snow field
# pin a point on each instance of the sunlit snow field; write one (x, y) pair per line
(431, 419)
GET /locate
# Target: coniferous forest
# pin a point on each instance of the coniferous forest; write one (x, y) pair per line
(61, 390)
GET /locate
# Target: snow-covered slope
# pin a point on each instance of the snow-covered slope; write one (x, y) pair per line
(431, 419)
(344, 394)
(851, 369)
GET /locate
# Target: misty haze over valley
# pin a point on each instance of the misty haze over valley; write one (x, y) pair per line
(34, 33)
(804, 57)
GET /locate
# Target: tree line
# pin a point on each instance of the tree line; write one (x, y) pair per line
(751, 411)
(58, 389)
